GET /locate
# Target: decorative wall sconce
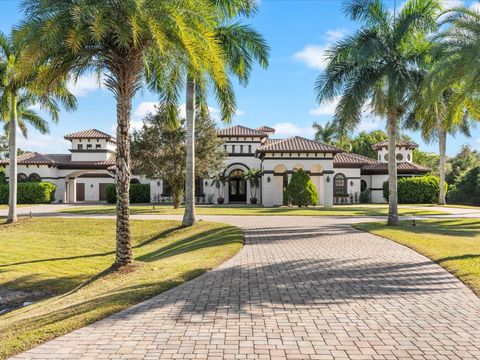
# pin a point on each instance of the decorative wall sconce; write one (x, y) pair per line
(351, 183)
(206, 183)
(91, 185)
(158, 183)
(269, 179)
(328, 179)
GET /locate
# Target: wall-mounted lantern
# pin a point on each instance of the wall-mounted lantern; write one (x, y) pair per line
(328, 179)
(268, 179)
(351, 183)
(158, 183)
(206, 183)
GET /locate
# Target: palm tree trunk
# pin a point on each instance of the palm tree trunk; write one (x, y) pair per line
(12, 141)
(442, 144)
(189, 216)
(123, 254)
(392, 171)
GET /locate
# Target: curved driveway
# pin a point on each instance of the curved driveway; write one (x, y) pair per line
(302, 287)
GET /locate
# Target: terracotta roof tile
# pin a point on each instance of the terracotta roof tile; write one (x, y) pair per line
(89, 134)
(239, 130)
(350, 160)
(400, 143)
(402, 168)
(35, 158)
(298, 144)
(267, 129)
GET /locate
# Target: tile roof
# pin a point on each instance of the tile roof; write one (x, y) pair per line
(399, 143)
(350, 160)
(34, 158)
(267, 129)
(298, 144)
(402, 168)
(89, 134)
(239, 130)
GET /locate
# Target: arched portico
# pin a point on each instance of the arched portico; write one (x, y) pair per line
(86, 185)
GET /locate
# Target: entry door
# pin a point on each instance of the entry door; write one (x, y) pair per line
(80, 192)
(102, 188)
(237, 190)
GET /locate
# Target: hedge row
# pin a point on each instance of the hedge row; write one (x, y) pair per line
(30, 193)
(416, 190)
(466, 189)
(139, 193)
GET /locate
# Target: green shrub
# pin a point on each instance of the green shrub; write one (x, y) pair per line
(30, 193)
(139, 193)
(416, 190)
(366, 196)
(301, 191)
(466, 189)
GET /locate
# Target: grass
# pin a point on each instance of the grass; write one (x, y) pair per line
(63, 265)
(341, 210)
(452, 243)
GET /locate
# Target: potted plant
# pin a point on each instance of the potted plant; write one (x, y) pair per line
(219, 182)
(253, 178)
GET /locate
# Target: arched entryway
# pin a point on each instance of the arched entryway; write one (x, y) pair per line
(237, 188)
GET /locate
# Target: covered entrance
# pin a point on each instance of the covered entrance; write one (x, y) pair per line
(237, 188)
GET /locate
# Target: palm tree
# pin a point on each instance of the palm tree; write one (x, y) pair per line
(325, 133)
(21, 87)
(459, 47)
(241, 46)
(436, 116)
(131, 42)
(253, 177)
(378, 65)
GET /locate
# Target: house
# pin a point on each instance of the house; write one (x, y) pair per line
(339, 177)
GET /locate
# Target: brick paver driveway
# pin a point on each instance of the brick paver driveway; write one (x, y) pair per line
(301, 288)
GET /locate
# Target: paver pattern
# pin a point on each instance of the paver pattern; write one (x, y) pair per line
(301, 288)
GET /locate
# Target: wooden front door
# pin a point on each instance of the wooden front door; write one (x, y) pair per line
(80, 192)
(102, 188)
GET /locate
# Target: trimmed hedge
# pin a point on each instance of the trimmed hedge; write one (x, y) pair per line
(139, 193)
(301, 191)
(30, 193)
(466, 189)
(416, 190)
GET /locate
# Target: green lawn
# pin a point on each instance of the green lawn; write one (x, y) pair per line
(452, 243)
(63, 265)
(345, 210)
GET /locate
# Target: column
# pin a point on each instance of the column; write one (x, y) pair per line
(328, 188)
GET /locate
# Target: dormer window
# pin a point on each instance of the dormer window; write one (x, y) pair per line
(80, 146)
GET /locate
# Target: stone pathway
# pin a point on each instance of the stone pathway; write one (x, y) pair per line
(301, 288)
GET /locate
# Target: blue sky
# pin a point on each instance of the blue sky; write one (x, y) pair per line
(298, 31)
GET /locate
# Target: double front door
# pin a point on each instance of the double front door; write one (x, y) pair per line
(237, 188)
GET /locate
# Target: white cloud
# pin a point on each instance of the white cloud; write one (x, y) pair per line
(144, 108)
(286, 129)
(312, 55)
(475, 6)
(84, 85)
(335, 34)
(325, 109)
(450, 4)
(43, 143)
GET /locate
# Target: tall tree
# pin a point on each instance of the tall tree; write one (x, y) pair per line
(132, 43)
(159, 151)
(326, 133)
(22, 87)
(362, 143)
(241, 46)
(378, 66)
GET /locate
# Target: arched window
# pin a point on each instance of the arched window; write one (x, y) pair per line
(21, 177)
(34, 177)
(236, 174)
(134, 181)
(363, 185)
(340, 185)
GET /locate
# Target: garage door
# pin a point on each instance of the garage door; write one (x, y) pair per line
(80, 192)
